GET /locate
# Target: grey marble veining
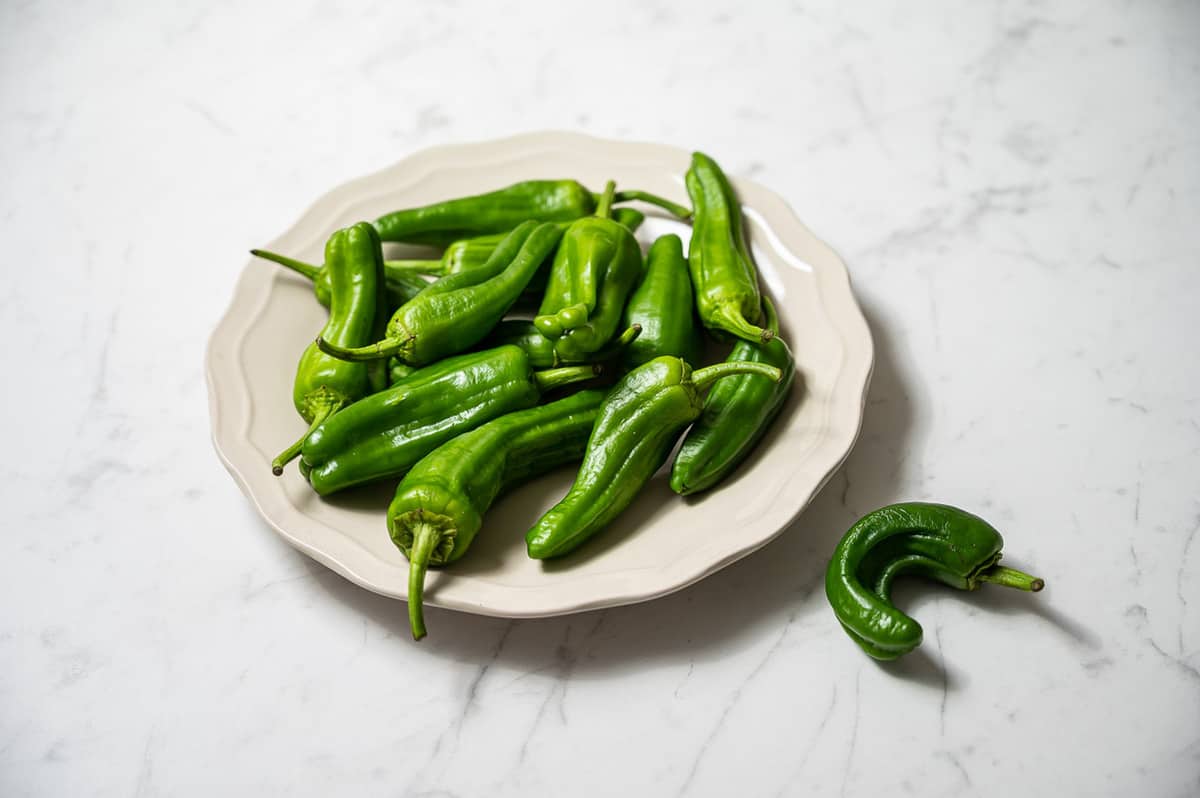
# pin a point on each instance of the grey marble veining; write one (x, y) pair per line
(1014, 186)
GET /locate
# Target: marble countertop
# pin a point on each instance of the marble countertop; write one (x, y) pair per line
(1015, 187)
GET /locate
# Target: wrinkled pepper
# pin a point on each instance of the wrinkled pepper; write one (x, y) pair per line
(454, 313)
(737, 413)
(934, 541)
(384, 434)
(662, 306)
(723, 274)
(638, 424)
(439, 505)
(400, 284)
(541, 350)
(324, 385)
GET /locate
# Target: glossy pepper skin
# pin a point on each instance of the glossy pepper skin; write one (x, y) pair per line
(500, 210)
(457, 312)
(325, 385)
(541, 350)
(637, 426)
(737, 413)
(723, 274)
(400, 283)
(386, 433)
(662, 305)
(439, 506)
(594, 269)
(935, 541)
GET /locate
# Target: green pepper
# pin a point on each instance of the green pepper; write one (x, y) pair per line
(935, 541)
(384, 434)
(497, 211)
(662, 306)
(440, 504)
(737, 413)
(723, 273)
(457, 312)
(401, 284)
(541, 350)
(325, 385)
(637, 426)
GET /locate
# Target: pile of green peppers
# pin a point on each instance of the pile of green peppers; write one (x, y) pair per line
(540, 337)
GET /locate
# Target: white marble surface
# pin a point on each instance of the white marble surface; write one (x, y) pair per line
(1015, 186)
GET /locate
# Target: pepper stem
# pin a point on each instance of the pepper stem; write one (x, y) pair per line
(381, 349)
(604, 206)
(550, 379)
(292, 452)
(405, 268)
(623, 340)
(673, 208)
(731, 320)
(307, 269)
(425, 539)
(1011, 577)
(702, 377)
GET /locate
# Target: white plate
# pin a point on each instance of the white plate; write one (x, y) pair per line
(660, 544)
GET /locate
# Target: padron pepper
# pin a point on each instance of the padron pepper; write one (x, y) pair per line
(386, 433)
(456, 312)
(503, 209)
(737, 413)
(439, 505)
(935, 541)
(541, 350)
(400, 283)
(325, 385)
(723, 274)
(637, 426)
(594, 269)
(662, 306)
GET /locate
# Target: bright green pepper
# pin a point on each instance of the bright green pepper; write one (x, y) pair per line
(457, 312)
(737, 413)
(723, 273)
(401, 284)
(662, 306)
(503, 209)
(935, 541)
(324, 385)
(638, 424)
(541, 350)
(440, 504)
(384, 434)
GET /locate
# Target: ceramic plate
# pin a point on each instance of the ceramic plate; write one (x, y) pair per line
(660, 544)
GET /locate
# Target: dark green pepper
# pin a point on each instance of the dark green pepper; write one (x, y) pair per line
(440, 504)
(541, 350)
(401, 284)
(325, 385)
(384, 434)
(497, 211)
(662, 306)
(935, 541)
(737, 413)
(454, 313)
(637, 426)
(723, 273)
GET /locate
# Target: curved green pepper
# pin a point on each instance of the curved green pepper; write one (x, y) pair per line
(541, 350)
(457, 312)
(400, 283)
(723, 274)
(638, 424)
(439, 505)
(737, 413)
(325, 385)
(662, 306)
(384, 434)
(935, 541)
(503, 209)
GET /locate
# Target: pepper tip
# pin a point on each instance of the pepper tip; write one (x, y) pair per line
(277, 470)
(1037, 584)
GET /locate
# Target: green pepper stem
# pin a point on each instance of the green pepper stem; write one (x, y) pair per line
(381, 349)
(550, 379)
(425, 538)
(702, 377)
(406, 268)
(292, 452)
(1011, 577)
(604, 206)
(307, 269)
(673, 208)
(731, 319)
